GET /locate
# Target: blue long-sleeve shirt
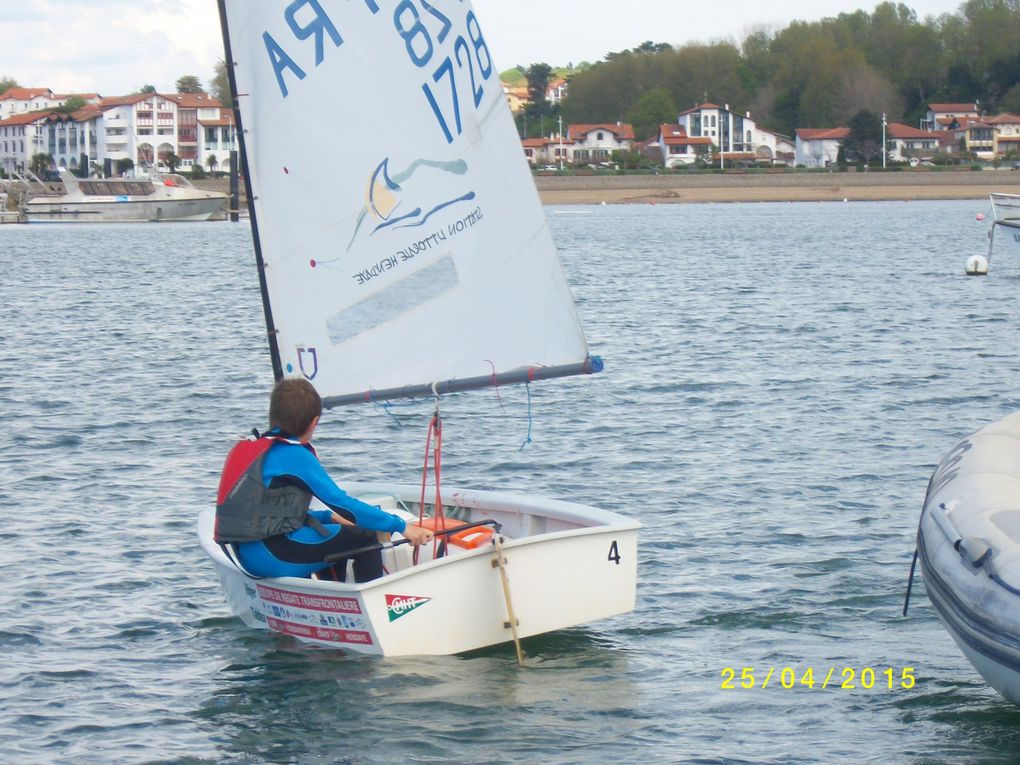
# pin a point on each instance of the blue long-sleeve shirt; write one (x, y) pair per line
(286, 460)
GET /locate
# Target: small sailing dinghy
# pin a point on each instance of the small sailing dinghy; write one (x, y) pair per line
(968, 543)
(429, 269)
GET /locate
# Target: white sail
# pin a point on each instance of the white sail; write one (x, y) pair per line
(402, 235)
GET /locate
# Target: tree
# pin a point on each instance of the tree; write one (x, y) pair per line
(538, 83)
(189, 83)
(71, 104)
(6, 83)
(40, 163)
(652, 109)
(219, 86)
(146, 89)
(864, 141)
(169, 159)
(212, 162)
(123, 165)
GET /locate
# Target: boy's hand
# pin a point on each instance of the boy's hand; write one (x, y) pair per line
(417, 535)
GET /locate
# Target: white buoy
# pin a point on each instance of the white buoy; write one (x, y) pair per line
(977, 265)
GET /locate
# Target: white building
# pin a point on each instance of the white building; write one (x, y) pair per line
(592, 144)
(21, 136)
(904, 142)
(942, 116)
(556, 92)
(819, 147)
(146, 128)
(735, 136)
(15, 101)
(677, 148)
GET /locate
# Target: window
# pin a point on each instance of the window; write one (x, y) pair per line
(598, 136)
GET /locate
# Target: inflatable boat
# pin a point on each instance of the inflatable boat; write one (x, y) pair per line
(968, 544)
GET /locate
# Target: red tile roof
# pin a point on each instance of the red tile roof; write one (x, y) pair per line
(621, 131)
(706, 105)
(676, 135)
(113, 101)
(1004, 119)
(822, 134)
(954, 108)
(899, 130)
(25, 94)
(193, 100)
(29, 117)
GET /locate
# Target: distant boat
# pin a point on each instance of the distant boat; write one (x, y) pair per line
(968, 544)
(1006, 209)
(1005, 228)
(1005, 221)
(160, 197)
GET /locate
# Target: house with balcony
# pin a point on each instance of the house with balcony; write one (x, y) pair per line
(22, 136)
(904, 142)
(557, 91)
(819, 147)
(16, 101)
(1007, 135)
(677, 148)
(942, 116)
(736, 136)
(595, 144)
(516, 98)
(73, 140)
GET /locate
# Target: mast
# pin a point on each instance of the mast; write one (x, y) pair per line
(271, 333)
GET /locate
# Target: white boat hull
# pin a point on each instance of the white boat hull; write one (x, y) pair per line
(969, 550)
(39, 211)
(567, 564)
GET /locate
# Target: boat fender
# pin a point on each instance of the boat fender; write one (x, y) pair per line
(974, 551)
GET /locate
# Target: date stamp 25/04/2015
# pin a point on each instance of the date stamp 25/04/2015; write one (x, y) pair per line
(842, 678)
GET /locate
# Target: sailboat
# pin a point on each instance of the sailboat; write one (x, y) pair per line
(428, 270)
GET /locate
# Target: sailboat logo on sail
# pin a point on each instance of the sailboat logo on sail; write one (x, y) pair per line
(405, 199)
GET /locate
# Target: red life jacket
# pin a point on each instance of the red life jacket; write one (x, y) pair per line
(246, 510)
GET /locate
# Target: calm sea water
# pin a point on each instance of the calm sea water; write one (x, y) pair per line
(781, 379)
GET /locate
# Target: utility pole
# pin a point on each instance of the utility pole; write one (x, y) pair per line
(885, 151)
(561, 140)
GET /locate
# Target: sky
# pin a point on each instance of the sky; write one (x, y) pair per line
(114, 47)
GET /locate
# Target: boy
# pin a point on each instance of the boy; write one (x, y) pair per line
(266, 489)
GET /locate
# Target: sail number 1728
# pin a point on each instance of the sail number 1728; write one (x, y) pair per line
(470, 64)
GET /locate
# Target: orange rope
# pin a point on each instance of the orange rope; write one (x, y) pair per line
(435, 427)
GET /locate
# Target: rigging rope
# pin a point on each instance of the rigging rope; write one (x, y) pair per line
(527, 439)
(435, 429)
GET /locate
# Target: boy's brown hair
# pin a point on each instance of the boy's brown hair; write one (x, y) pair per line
(293, 405)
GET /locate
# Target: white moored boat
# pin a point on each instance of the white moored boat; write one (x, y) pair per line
(968, 544)
(429, 269)
(160, 197)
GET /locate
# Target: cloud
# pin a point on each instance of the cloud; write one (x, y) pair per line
(110, 46)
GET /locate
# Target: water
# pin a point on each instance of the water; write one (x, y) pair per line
(781, 380)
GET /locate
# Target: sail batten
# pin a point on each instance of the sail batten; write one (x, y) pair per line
(391, 199)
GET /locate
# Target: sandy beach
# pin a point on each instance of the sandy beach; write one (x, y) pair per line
(775, 187)
(760, 187)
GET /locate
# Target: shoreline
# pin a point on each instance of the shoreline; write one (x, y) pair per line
(775, 187)
(761, 186)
